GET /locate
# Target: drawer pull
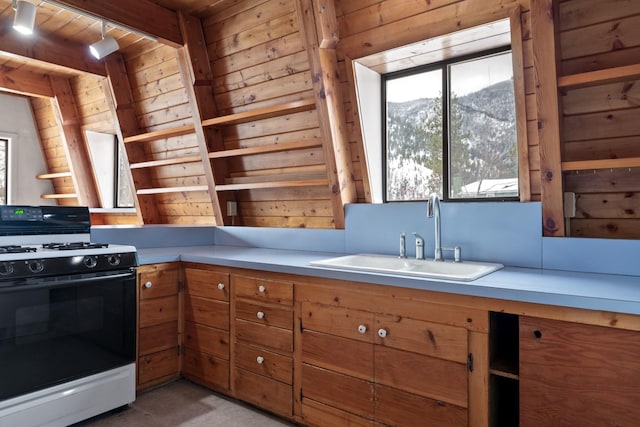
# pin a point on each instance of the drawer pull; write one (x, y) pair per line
(362, 329)
(148, 285)
(221, 286)
(261, 289)
(382, 333)
(260, 360)
(260, 315)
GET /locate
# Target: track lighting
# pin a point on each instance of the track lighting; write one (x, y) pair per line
(25, 16)
(105, 46)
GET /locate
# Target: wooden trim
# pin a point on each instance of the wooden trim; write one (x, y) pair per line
(58, 196)
(479, 380)
(274, 184)
(630, 162)
(273, 148)
(25, 82)
(600, 77)
(163, 190)
(160, 134)
(261, 113)
(166, 162)
(54, 175)
(144, 16)
(544, 39)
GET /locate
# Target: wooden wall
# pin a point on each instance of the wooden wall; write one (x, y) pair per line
(600, 122)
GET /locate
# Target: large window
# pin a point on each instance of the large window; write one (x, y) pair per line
(4, 184)
(450, 129)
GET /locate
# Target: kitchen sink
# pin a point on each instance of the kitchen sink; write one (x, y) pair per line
(464, 271)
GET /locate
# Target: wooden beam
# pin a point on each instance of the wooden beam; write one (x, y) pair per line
(25, 82)
(329, 103)
(124, 116)
(144, 16)
(75, 145)
(195, 69)
(547, 102)
(48, 50)
(600, 77)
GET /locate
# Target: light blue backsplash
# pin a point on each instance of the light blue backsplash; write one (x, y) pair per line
(592, 255)
(154, 236)
(505, 232)
(305, 239)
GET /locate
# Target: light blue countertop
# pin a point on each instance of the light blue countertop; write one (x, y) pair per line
(608, 292)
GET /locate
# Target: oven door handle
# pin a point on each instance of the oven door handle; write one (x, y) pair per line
(49, 284)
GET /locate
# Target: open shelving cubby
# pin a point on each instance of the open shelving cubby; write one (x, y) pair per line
(503, 369)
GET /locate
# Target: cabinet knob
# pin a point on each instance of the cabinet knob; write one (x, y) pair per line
(382, 333)
(260, 314)
(362, 329)
(260, 360)
(261, 289)
(221, 286)
(148, 285)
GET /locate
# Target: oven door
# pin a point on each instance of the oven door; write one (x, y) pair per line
(57, 329)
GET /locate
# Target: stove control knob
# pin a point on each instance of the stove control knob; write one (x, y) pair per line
(6, 268)
(35, 266)
(90, 261)
(113, 259)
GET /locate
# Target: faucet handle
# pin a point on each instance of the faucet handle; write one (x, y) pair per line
(419, 246)
(457, 253)
(403, 249)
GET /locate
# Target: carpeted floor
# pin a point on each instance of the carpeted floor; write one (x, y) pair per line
(184, 404)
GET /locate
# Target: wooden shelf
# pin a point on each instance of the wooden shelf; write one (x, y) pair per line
(600, 77)
(630, 162)
(162, 190)
(273, 184)
(166, 162)
(261, 113)
(160, 134)
(59, 196)
(54, 175)
(273, 148)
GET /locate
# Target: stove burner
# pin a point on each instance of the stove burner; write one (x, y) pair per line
(15, 249)
(74, 245)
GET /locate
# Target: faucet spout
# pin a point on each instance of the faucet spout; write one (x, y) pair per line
(433, 211)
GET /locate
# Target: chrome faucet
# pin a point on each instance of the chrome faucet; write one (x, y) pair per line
(433, 211)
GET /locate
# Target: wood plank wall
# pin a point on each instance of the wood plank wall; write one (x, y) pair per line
(601, 122)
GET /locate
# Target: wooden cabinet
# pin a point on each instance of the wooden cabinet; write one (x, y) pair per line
(573, 374)
(370, 362)
(262, 364)
(206, 326)
(158, 324)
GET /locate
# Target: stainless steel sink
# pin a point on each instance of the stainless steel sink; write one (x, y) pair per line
(464, 271)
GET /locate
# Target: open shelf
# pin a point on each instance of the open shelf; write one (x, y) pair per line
(59, 196)
(160, 134)
(274, 184)
(600, 77)
(261, 113)
(629, 162)
(273, 148)
(166, 162)
(162, 190)
(54, 175)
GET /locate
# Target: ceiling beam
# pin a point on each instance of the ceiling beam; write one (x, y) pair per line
(48, 50)
(24, 82)
(144, 16)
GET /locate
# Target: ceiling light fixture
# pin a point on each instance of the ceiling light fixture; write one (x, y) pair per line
(104, 47)
(25, 16)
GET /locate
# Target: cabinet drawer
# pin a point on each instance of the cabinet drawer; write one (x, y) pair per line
(158, 337)
(206, 369)
(158, 310)
(158, 283)
(272, 315)
(432, 339)
(268, 394)
(162, 364)
(427, 376)
(207, 312)
(266, 336)
(343, 322)
(398, 408)
(206, 339)
(264, 362)
(264, 290)
(337, 390)
(342, 355)
(207, 284)
(319, 415)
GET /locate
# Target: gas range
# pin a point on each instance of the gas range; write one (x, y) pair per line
(37, 241)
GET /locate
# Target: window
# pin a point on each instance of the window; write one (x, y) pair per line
(109, 163)
(450, 128)
(4, 184)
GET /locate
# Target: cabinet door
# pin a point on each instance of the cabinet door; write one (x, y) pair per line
(578, 375)
(159, 282)
(207, 312)
(207, 283)
(206, 369)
